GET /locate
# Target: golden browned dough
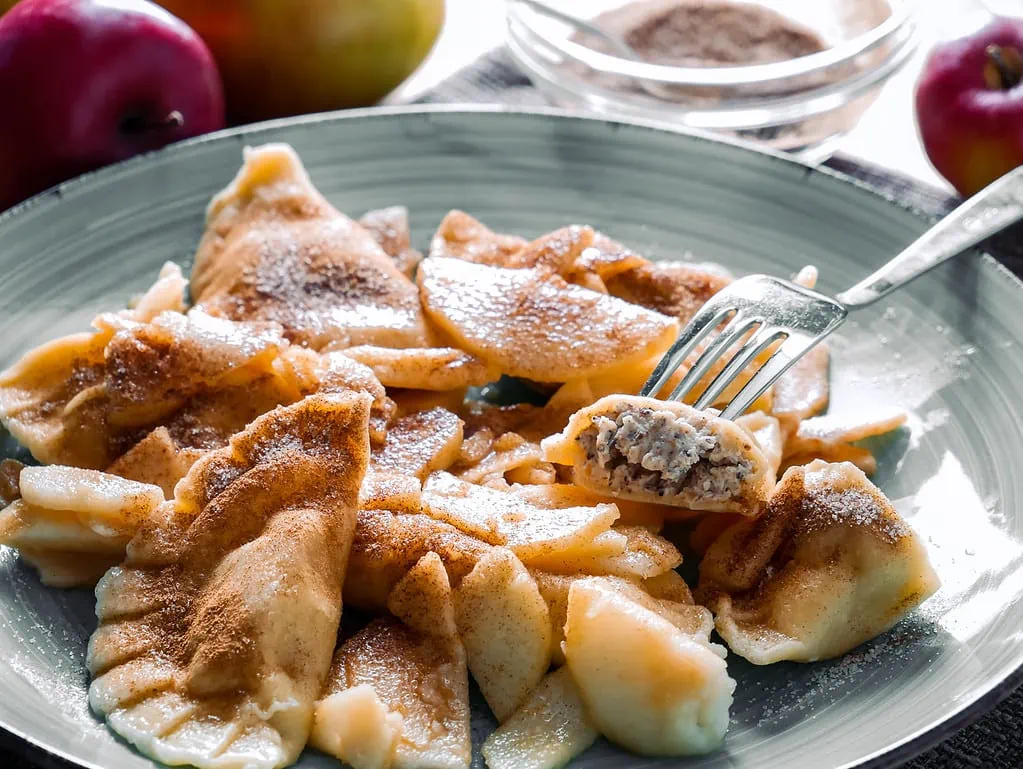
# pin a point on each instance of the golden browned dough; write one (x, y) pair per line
(499, 518)
(510, 456)
(460, 236)
(153, 369)
(436, 368)
(411, 401)
(803, 390)
(10, 471)
(157, 459)
(73, 524)
(275, 249)
(388, 544)
(418, 686)
(832, 430)
(668, 596)
(578, 254)
(829, 565)
(389, 228)
(215, 637)
(51, 402)
(535, 325)
(676, 289)
(419, 444)
(662, 451)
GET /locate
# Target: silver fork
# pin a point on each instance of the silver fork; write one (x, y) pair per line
(766, 311)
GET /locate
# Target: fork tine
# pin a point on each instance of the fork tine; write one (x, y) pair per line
(791, 350)
(746, 354)
(705, 321)
(730, 334)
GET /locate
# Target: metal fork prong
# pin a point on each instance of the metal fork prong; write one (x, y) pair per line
(742, 359)
(791, 350)
(705, 321)
(737, 327)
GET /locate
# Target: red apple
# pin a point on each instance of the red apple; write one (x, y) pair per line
(969, 105)
(84, 83)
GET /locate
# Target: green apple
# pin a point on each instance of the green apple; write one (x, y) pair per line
(288, 58)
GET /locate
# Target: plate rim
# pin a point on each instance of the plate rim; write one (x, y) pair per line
(886, 758)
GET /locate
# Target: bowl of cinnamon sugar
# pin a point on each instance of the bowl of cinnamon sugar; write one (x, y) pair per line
(789, 74)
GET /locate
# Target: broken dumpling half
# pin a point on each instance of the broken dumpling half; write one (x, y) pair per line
(660, 451)
(829, 565)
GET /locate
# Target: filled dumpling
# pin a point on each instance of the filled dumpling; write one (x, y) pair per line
(216, 635)
(275, 249)
(829, 565)
(661, 451)
(533, 324)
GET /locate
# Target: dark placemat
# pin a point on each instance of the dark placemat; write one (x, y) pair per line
(996, 740)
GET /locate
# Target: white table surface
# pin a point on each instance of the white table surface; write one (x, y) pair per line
(886, 135)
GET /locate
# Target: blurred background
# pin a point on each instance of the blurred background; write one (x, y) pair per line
(96, 81)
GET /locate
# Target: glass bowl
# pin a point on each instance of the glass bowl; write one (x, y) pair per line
(800, 105)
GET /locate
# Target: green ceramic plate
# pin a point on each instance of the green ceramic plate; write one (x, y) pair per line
(948, 348)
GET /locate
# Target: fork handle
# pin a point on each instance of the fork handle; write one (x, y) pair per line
(987, 213)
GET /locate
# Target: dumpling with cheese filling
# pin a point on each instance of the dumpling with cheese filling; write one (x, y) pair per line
(661, 451)
(829, 565)
(216, 635)
(275, 250)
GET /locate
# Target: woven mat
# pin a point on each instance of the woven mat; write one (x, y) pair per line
(995, 741)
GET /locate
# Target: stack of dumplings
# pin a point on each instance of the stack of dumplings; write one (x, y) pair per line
(228, 472)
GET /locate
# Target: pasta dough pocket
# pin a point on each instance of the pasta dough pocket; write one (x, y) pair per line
(829, 565)
(216, 634)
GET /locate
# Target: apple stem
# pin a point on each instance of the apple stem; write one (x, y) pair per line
(1008, 73)
(138, 124)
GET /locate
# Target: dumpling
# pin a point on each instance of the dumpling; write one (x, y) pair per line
(85, 399)
(48, 401)
(389, 228)
(74, 524)
(388, 544)
(419, 444)
(503, 621)
(398, 692)
(829, 565)
(676, 289)
(649, 678)
(662, 451)
(153, 369)
(436, 368)
(549, 730)
(579, 254)
(500, 518)
(215, 636)
(667, 595)
(461, 236)
(509, 456)
(531, 324)
(275, 250)
(803, 390)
